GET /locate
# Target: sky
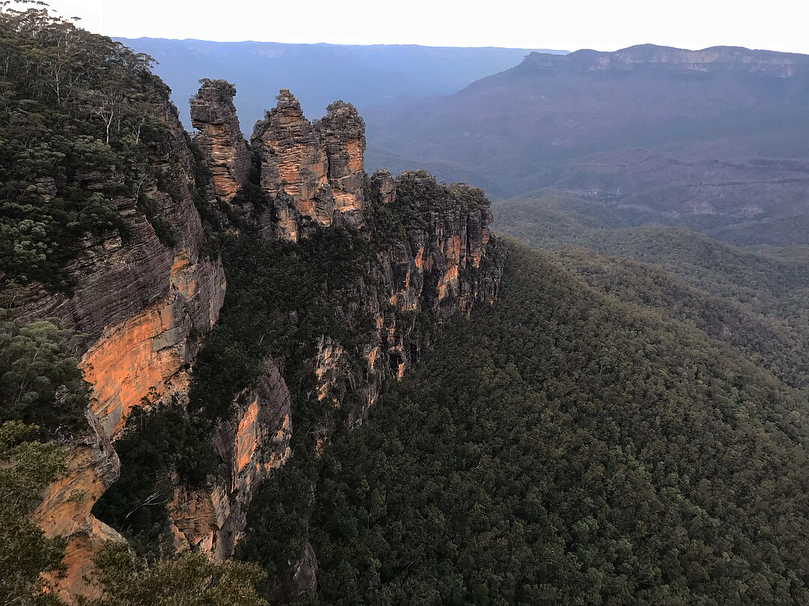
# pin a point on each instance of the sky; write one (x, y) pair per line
(560, 24)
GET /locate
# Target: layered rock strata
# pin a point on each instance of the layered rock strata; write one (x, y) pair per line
(143, 308)
(313, 173)
(220, 137)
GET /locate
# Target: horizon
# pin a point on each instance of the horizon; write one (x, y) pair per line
(452, 24)
(555, 51)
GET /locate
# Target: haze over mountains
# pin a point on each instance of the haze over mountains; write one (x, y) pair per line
(319, 73)
(714, 140)
(695, 138)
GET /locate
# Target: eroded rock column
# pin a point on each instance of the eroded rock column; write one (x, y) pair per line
(220, 137)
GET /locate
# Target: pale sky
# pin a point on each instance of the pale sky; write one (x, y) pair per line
(561, 24)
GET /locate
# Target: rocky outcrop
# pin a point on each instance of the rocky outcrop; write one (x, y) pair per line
(220, 137)
(313, 173)
(437, 268)
(92, 466)
(143, 308)
(384, 183)
(454, 238)
(254, 443)
(148, 353)
(293, 167)
(342, 133)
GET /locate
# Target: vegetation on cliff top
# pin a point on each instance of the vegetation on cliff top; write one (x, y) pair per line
(81, 116)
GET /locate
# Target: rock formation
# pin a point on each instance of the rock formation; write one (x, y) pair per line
(435, 267)
(313, 173)
(254, 443)
(220, 138)
(383, 181)
(342, 132)
(143, 308)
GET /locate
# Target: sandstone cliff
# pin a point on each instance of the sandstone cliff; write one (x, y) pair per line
(254, 442)
(430, 270)
(143, 308)
(220, 138)
(313, 173)
(417, 253)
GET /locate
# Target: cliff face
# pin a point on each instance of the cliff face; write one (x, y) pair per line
(313, 176)
(144, 308)
(314, 173)
(432, 270)
(220, 137)
(254, 442)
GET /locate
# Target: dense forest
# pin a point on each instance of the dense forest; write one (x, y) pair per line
(80, 116)
(560, 447)
(753, 297)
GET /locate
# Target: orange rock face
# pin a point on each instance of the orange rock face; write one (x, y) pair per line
(255, 443)
(139, 357)
(312, 172)
(220, 137)
(143, 355)
(293, 161)
(66, 504)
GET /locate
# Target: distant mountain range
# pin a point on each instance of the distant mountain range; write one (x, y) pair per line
(319, 73)
(715, 140)
(696, 138)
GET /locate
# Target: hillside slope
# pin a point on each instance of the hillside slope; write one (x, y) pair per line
(383, 405)
(755, 297)
(560, 447)
(694, 138)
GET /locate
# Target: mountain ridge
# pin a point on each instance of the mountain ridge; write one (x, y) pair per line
(703, 139)
(319, 73)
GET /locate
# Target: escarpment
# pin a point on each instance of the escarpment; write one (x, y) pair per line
(716, 59)
(143, 306)
(395, 259)
(383, 263)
